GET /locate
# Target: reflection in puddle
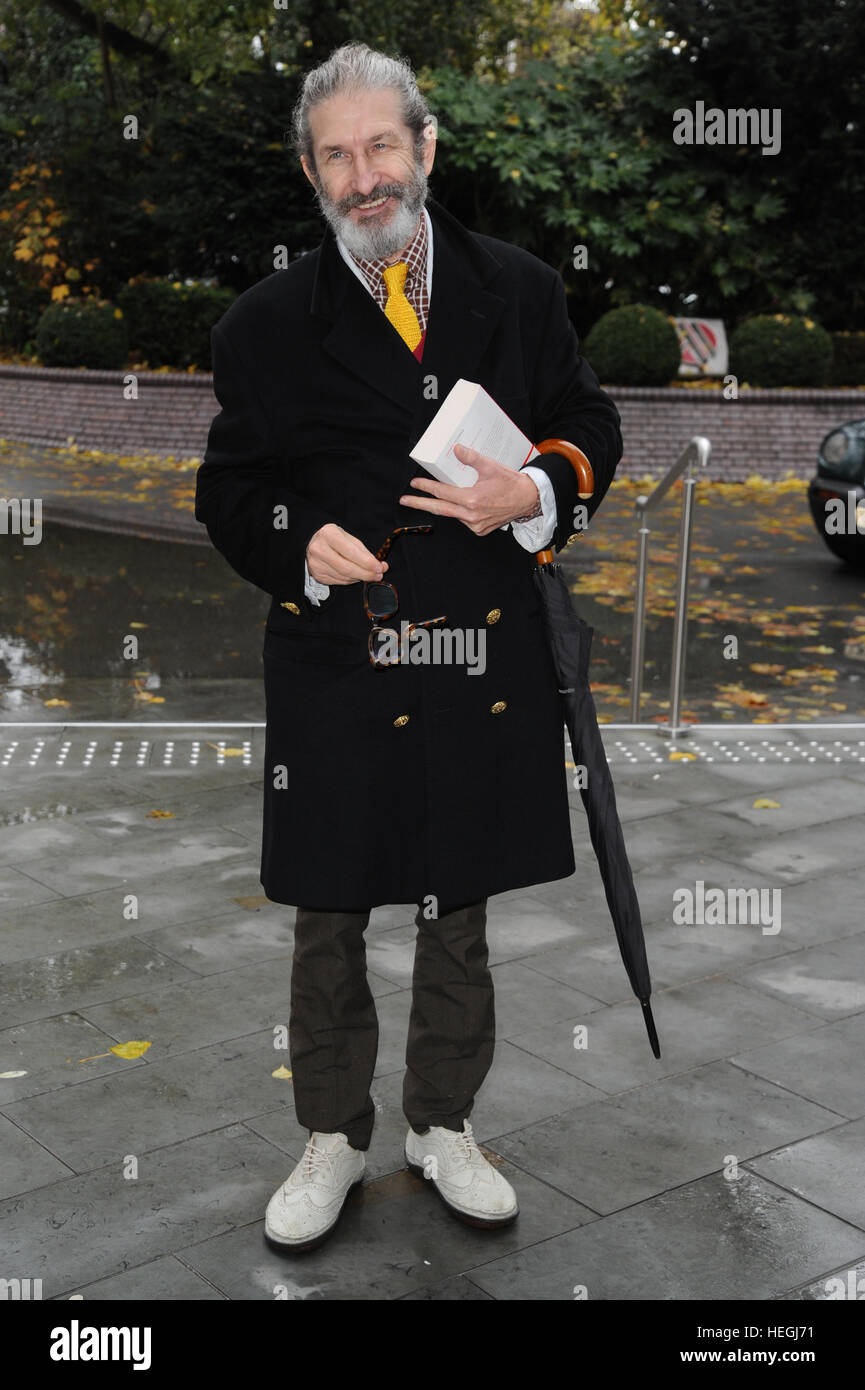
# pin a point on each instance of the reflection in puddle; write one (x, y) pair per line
(32, 813)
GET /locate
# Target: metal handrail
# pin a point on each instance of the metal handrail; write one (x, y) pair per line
(696, 454)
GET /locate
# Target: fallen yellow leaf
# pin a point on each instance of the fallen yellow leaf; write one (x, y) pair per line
(765, 803)
(52, 704)
(677, 757)
(282, 1074)
(131, 1050)
(160, 815)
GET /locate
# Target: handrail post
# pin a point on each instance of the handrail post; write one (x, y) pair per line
(680, 625)
(696, 454)
(639, 610)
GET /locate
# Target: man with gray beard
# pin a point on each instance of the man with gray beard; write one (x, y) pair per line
(392, 781)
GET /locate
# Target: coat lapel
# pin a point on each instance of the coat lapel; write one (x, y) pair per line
(463, 317)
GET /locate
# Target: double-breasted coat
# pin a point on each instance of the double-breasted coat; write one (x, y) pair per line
(420, 783)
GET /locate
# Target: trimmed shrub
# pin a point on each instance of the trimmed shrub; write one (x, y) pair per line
(848, 361)
(21, 306)
(169, 322)
(82, 333)
(634, 346)
(780, 350)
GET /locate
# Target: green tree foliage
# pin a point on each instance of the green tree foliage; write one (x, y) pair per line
(805, 59)
(555, 133)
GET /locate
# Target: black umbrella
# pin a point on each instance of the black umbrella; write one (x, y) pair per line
(570, 640)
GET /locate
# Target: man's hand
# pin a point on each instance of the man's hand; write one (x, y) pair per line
(334, 556)
(500, 494)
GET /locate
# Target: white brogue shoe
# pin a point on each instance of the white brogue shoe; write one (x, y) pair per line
(305, 1210)
(468, 1185)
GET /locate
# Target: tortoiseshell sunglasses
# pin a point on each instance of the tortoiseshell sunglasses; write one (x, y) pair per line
(381, 600)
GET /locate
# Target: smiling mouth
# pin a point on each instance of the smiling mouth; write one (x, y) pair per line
(371, 207)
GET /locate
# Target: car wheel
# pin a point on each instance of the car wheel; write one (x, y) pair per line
(852, 552)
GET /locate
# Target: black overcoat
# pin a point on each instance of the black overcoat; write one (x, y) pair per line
(418, 783)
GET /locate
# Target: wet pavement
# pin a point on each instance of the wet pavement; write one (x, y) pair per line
(731, 1168)
(760, 574)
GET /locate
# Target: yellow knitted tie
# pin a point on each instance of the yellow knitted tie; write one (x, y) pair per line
(397, 309)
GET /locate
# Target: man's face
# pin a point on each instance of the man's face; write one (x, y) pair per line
(364, 154)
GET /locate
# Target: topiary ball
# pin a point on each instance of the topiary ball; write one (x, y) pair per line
(634, 346)
(82, 333)
(780, 350)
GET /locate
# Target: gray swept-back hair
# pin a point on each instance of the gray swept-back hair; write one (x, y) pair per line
(355, 67)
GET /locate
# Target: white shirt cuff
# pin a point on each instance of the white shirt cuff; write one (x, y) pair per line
(537, 533)
(314, 591)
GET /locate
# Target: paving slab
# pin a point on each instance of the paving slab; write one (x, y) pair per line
(44, 839)
(616, 1152)
(655, 883)
(26, 1163)
(50, 1054)
(458, 1288)
(825, 908)
(141, 1109)
(662, 837)
(236, 807)
(622, 1162)
(89, 869)
(168, 901)
(828, 981)
(824, 1064)
(676, 955)
(837, 1285)
(20, 890)
(710, 1239)
(827, 1169)
(395, 1236)
(702, 1021)
(523, 995)
(157, 1281)
(53, 984)
(229, 941)
(200, 1012)
(815, 802)
(801, 854)
(98, 1224)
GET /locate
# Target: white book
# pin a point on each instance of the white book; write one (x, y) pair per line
(469, 415)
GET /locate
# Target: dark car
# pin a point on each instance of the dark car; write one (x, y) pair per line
(837, 494)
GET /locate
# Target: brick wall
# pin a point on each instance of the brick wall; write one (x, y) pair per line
(766, 432)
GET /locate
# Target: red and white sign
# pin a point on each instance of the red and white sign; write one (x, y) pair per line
(704, 347)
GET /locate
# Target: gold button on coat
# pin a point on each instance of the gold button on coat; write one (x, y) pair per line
(498, 706)
(292, 607)
(400, 720)
(494, 615)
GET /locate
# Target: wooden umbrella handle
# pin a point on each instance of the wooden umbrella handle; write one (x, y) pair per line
(581, 466)
(576, 458)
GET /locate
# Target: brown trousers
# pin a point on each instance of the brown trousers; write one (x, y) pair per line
(333, 1026)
